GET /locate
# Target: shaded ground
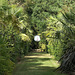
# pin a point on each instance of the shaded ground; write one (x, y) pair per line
(37, 64)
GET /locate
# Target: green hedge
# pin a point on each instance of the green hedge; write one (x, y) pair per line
(6, 66)
(55, 48)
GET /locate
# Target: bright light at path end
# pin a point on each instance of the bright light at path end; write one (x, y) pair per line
(37, 38)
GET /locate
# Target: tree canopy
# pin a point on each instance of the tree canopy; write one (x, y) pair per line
(21, 20)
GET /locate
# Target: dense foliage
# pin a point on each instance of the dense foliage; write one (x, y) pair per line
(15, 35)
(20, 20)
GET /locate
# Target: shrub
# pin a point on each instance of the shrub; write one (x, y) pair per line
(6, 66)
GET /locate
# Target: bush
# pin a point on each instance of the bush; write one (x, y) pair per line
(55, 48)
(6, 66)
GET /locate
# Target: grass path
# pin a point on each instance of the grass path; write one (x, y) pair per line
(37, 64)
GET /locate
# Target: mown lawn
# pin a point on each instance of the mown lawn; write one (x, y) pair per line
(37, 64)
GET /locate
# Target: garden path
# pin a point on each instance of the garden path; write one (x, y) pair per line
(37, 63)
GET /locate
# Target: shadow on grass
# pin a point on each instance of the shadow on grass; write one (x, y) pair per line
(35, 66)
(37, 53)
(36, 59)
